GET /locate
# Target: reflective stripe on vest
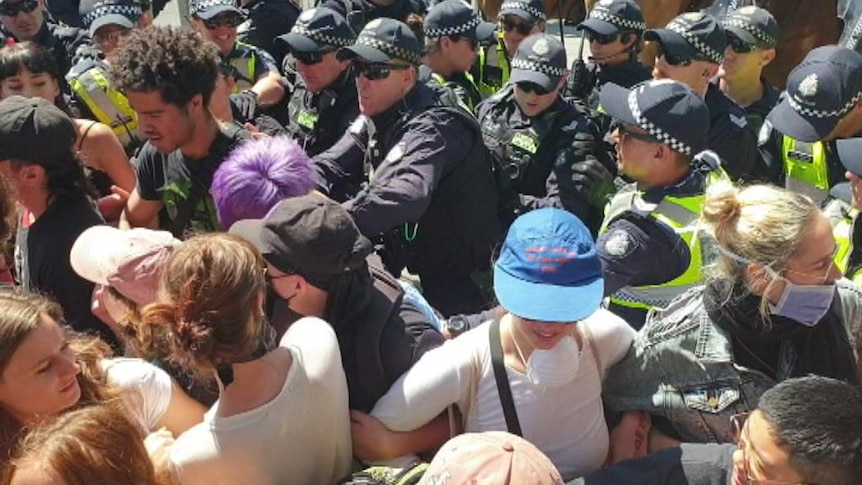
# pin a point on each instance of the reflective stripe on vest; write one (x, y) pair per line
(805, 168)
(462, 103)
(108, 105)
(841, 216)
(245, 70)
(485, 87)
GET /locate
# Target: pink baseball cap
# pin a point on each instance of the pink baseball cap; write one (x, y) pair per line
(490, 458)
(130, 261)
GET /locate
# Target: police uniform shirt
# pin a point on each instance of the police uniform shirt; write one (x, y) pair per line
(536, 153)
(317, 120)
(61, 41)
(729, 135)
(638, 250)
(756, 112)
(268, 19)
(263, 64)
(771, 169)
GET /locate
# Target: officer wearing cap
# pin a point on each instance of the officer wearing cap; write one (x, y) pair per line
(543, 147)
(752, 34)
(690, 49)
(453, 33)
(259, 83)
(843, 210)
(107, 21)
(323, 102)
(649, 245)
(823, 103)
(414, 172)
(517, 20)
(25, 20)
(614, 29)
(266, 20)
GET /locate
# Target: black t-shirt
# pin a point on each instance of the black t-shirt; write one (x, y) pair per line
(182, 184)
(690, 464)
(42, 260)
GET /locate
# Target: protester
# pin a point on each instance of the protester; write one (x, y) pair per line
(554, 339)
(95, 444)
(169, 76)
(775, 293)
(27, 69)
(804, 430)
(430, 193)
(212, 300)
(691, 48)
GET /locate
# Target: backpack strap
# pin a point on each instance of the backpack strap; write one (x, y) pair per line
(502, 379)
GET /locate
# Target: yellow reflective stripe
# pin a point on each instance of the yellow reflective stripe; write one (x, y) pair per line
(805, 162)
(246, 72)
(95, 91)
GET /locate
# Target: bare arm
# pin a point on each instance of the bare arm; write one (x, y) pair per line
(183, 412)
(140, 212)
(103, 151)
(269, 89)
(372, 441)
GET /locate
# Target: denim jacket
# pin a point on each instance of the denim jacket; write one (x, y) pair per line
(681, 367)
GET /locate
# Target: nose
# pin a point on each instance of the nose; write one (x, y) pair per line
(69, 365)
(834, 273)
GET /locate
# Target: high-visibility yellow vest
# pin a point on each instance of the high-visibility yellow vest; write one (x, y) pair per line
(108, 105)
(841, 216)
(805, 168)
(488, 87)
(245, 70)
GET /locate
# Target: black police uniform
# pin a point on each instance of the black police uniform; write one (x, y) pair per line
(266, 20)
(62, 42)
(65, 12)
(625, 74)
(360, 12)
(430, 193)
(729, 135)
(318, 120)
(756, 112)
(535, 155)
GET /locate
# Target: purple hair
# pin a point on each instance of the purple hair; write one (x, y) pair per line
(257, 175)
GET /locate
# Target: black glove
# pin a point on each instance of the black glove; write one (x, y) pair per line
(594, 180)
(246, 103)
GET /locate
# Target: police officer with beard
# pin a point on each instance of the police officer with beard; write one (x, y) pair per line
(543, 147)
(323, 102)
(414, 173)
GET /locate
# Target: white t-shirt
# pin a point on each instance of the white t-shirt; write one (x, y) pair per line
(146, 389)
(300, 437)
(567, 422)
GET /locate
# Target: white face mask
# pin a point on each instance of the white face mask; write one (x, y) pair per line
(553, 367)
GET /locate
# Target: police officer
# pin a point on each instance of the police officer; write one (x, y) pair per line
(25, 20)
(425, 181)
(95, 98)
(542, 146)
(453, 32)
(517, 19)
(266, 20)
(691, 48)
(752, 34)
(323, 102)
(649, 243)
(260, 83)
(614, 29)
(823, 103)
(843, 211)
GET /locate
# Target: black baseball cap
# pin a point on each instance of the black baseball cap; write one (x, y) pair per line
(530, 11)
(317, 28)
(850, 153)
(207, 9)
(753, 25)
(540, 59)
(310, 235)
(99, 13)
(384, 39)
(613, 16)
(454, 17)
(35, 131)
(692, 35)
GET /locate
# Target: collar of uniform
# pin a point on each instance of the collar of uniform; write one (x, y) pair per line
(691, 184)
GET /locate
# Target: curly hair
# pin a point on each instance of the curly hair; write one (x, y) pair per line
(177, 63)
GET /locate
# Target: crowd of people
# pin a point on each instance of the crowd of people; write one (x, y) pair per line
(389, 242)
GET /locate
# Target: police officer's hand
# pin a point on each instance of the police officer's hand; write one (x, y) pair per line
(594, 180)
(246, 103)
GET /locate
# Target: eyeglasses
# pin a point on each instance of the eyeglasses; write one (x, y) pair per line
(227, 20)
(523, 28)
(529, 87)
(603, 39)
(738, 429)
(674, 60)
(270, 278)
(311, 58)
(376, 70)
(110, 37)
(12, 9)
(626, 132)
(474, 44)
(740, 46)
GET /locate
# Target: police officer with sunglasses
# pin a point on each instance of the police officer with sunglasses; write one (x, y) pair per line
(544, 149)
(414, 174)
(323, 102)
(690, 49)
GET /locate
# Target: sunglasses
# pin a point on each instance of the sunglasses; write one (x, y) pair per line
(674, 60)
(229, 20)
(523, 28)
(112, 36)
(739, 46)
(625, 131)
(377, 70)
(12, 9)
(529, 87)
(602, 39)
(311, 58)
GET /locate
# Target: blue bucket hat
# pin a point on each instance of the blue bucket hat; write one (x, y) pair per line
(548, 269)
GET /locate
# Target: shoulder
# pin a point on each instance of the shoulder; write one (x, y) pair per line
(613, 336)
(724, 110)
(135, 374)
(685, 314)
(66, 33)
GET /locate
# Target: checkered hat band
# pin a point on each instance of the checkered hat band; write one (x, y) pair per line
(389, 49)
(654, 130)
(762, 36)
(320, 37)
(102, 9)
(707, 51)
(625, 24)
(538, 67)
(205, 4)
(455, 30)
(525, 7)
(822, 113)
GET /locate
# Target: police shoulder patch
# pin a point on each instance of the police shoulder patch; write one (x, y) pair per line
(765, 133)
(358, 125)
(739, 121)
(619, 244)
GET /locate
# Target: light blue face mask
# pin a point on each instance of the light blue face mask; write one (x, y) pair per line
(806, 304)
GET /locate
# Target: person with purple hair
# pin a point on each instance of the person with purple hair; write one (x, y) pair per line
(257, 175)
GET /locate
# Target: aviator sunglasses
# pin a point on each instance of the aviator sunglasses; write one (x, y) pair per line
(376, 70)
(523, 28)
(229, 20)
